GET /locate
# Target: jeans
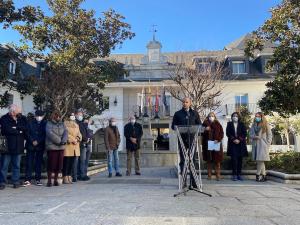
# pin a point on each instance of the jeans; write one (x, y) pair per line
(15, 160)
(34, 159)
(81, 164)
(87, 158)
(113, 156)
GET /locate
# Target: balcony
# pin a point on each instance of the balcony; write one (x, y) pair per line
(163, 112)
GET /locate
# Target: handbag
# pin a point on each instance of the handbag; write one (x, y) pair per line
(3, 144)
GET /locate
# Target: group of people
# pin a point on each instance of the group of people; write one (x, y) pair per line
(67, 144)
(260, 135)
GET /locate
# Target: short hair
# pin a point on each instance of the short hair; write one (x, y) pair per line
(14, 108)
(55, 114)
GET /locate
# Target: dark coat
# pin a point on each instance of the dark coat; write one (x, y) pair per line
(15, 131)
(83, 130)
(36, 132)
(181, 118)
(215, 134)
(236, 150)
(134, 131)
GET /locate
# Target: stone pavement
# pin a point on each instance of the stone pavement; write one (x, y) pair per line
(148, 199)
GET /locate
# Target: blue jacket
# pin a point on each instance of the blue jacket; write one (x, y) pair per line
(36, 132)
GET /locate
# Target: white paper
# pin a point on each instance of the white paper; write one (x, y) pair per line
(212, 146)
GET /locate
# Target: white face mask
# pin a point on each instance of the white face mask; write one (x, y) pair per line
(39, 118)
(113, 123)
(80, 118)
(211, 119)
(132, 121)
(72, 118)
(235, 119)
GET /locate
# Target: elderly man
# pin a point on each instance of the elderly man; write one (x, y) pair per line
(186, 116)
(14, 128)
(112, 141)
(133, 132)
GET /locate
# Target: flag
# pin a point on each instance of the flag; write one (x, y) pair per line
(156, 101)
(149, 97)
(142, 100)
(165, 99)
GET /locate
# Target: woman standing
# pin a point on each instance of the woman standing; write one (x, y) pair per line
(56, 139)
(72, 148)
(213, 132)
(236, 147)
(261, 136)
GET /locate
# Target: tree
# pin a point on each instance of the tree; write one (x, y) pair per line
(203, 85)
(283, 93)
(67, 41)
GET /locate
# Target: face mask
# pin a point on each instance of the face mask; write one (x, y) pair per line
(132, 121)
(80, 118)
(58, 120)
(113, 123)
(72, 118)
(211, 119)
(257, 119)
(39, 118)
(235, 119)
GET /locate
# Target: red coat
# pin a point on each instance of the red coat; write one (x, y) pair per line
(216, 133)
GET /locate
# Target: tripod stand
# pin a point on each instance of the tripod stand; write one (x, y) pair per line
(188, 155)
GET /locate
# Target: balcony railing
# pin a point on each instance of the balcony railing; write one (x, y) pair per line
(162, 112)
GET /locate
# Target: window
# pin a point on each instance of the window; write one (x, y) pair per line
(203, 66)
(12, 67)
(238, 67)
(10, 99)
(241, 100)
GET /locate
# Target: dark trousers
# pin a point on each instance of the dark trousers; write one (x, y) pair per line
(55, 162)
(34, 159)
(136, 154)
(236, 163)
(68, 165)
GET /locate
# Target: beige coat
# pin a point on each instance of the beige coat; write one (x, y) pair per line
(263, 144)
(111, 139)
(73, 135)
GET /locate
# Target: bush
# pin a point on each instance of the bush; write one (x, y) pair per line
(288, 162)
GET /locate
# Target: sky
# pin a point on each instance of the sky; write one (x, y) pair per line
(182, 25)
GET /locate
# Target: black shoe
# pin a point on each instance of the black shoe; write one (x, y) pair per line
(2, 186)
(110, 175)
(16, 185)
(127, 173)
(86, 178)
(49, 184)
(118, 174)
(55, 183)
(74, 180)
(138, 173)
(263, 178)
(257, 178)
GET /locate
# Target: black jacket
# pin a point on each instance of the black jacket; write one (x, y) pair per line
(181, 117)
(134, 131)
(236, 150)
(36, 132)
(15, 131)
(83, 130)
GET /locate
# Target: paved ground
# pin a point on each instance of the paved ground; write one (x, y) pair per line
(149, 200)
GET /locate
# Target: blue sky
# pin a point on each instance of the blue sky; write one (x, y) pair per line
(183, 25)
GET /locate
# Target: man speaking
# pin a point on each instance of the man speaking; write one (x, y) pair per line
(184, 117)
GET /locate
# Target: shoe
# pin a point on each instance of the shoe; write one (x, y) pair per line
(74, 179)
(257, 178)
(38, 183)
(263, 178)
(26, 183)
(16, 185)
(55, 183)
(86, 178)
(49, 184)
(2, 186)
(118, 174)
(110, 175)
(65, 180)
(127, 173)
(234, 178)
(138, 173)
(70, 179)
(240, 178)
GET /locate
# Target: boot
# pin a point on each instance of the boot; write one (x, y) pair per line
(263, 178)
(49, 183)
(218, 171)
(66, 180)
(257, 178)
(208, 170)
(70, 180)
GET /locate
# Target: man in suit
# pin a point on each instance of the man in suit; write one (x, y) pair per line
(186, 116)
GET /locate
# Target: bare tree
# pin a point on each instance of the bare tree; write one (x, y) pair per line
(201, 83)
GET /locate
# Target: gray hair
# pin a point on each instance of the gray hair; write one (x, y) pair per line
(14, 108)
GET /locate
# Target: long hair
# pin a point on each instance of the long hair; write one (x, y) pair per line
(238, 115)
(211, 114)
(55, 114)
(263, 123)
